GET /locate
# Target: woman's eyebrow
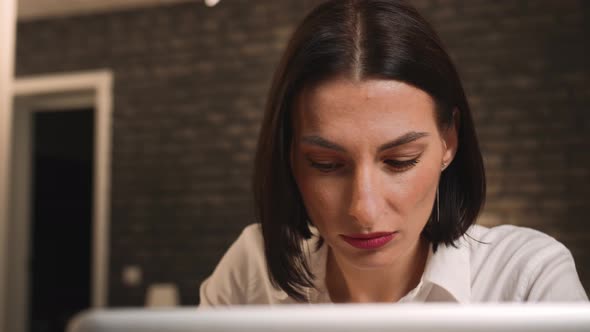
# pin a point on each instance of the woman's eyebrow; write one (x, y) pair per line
(324, 143)
(404, 139)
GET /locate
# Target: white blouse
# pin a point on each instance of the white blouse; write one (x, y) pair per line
(508, 264)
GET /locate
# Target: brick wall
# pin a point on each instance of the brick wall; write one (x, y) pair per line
(525, 67)
(190, 84)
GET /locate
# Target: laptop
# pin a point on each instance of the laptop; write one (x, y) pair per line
(517, 317)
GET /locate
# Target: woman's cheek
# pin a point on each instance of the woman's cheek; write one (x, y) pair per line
(419, 190)
(322, 198)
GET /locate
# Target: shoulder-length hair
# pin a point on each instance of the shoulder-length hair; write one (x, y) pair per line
(360, 39)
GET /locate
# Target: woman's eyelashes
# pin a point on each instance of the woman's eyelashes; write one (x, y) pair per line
(325, 167)
(396, 165)
(401, 165)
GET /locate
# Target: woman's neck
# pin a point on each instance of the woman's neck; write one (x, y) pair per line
(347, 283)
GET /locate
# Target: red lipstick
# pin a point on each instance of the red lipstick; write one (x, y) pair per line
(369, 241)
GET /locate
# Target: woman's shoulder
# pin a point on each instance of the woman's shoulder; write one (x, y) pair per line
(240, 269)
(251, 235)
(521, 263)
(508, 243)
(509, 237)
(247, 248)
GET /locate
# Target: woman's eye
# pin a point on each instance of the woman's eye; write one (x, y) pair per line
(401, 165)
(325, 167)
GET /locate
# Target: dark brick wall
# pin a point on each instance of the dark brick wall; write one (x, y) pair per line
(190, 84)
(525, 68)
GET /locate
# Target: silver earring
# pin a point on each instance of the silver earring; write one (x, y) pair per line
(442, 168)
(437, 207)
(444, 165)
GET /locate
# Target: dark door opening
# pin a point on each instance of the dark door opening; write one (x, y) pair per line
(61, 225)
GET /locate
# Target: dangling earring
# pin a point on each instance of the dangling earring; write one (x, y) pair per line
(437, 207)
(437, 197)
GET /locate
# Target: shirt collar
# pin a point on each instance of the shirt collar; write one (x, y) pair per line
(449, 268)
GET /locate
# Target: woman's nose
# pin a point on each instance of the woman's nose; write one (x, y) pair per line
(366, 197)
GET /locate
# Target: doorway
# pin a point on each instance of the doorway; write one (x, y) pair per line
(59, 208)
(61, 217)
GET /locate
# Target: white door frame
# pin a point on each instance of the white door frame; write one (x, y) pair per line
(68, 90)
(7, 47)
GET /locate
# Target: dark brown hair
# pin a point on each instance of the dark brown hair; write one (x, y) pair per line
(360, 39)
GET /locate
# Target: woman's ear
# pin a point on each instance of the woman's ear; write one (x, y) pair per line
(450, 139)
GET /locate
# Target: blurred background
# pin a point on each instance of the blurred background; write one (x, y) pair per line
(127, 150)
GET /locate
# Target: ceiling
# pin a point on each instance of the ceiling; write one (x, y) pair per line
(34, 9)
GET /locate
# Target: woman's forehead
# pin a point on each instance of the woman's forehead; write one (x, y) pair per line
(363, 102)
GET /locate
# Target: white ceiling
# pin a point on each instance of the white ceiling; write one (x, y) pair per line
(33, 9)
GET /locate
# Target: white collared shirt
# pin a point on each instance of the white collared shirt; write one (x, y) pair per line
(503, 263)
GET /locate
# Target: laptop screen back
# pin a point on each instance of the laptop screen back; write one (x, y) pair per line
(343, 318)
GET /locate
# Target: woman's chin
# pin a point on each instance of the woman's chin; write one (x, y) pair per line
(370, 259)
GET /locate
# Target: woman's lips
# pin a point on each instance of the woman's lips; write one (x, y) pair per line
(369, 241)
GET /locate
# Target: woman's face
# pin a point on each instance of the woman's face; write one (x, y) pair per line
(367, 157)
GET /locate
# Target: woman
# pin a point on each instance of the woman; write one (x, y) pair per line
(369, 179)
